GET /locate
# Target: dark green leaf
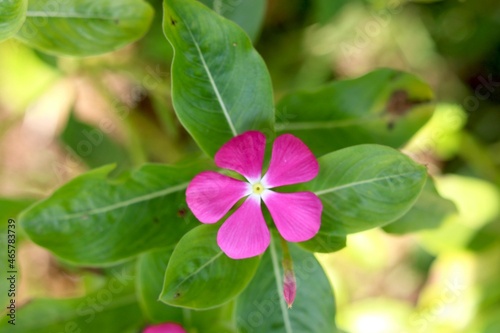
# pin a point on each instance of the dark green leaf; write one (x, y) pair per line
(428, 212)
(151, 268)
(200, 276)
(221, 86)
(258, 307)
(111, 309)
(385, 107)
(84, 27)
(248, 14)
(95, 220)
(151, 273)
(12, 16)
(324, 10)
(92, 145)
(364, 187)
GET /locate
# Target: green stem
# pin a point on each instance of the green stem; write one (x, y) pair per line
(279, 286)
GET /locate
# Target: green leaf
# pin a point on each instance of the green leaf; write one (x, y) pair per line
(112, 309)
(94, 220)
(151, 268)
(385, 107)
(220, 84)
(12, 16)
(197, 269)
(248, 14)
(92, 145)
(429, 212)
(324, 10)
(325, 242)
(364, 187)
(84, 27)
(258, 308)
(9, 209)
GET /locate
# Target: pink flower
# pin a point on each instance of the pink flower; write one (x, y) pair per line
(164, 328)
(244, 234)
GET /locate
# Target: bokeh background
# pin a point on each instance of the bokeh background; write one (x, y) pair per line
(62, 116)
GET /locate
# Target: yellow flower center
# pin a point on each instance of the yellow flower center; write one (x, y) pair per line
(258, 188)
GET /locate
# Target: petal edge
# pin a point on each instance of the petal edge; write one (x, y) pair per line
(211, 195)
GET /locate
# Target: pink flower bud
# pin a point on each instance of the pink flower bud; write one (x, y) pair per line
(289, 287)
(165, 328)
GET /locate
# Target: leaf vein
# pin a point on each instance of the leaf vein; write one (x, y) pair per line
(213, 84)
(126, 202)
(366, 181)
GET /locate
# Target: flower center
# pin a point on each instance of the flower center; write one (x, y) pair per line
(258, 188)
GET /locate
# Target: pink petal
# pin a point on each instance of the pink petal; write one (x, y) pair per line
(211, 195)
(296, 215)
(165, 328)
(245, 233)
(291, 163)
(244, 154)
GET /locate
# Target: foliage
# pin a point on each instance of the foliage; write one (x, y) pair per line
(123, 215)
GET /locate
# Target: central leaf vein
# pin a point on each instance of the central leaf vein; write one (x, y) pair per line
(214, 85)
(125, 203)
(202, 267)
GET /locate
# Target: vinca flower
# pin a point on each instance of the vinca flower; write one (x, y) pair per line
(165, 328)
(244, 234)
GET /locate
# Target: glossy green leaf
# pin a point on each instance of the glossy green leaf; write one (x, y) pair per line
(84, 27)
(384, 107)
(12, 16)
(220, 84)
(429, 212)
(325, 242)
(112, 309)
(248, 14)
(200, 276)
(364, 187)
(151, 269)
(95, 220)
(258, 308)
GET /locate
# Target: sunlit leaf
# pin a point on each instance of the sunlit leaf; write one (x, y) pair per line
(12, 16)
(84, 27)
(428, 212)
(221, 86)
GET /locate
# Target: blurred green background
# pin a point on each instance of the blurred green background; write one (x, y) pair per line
(61, 116)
